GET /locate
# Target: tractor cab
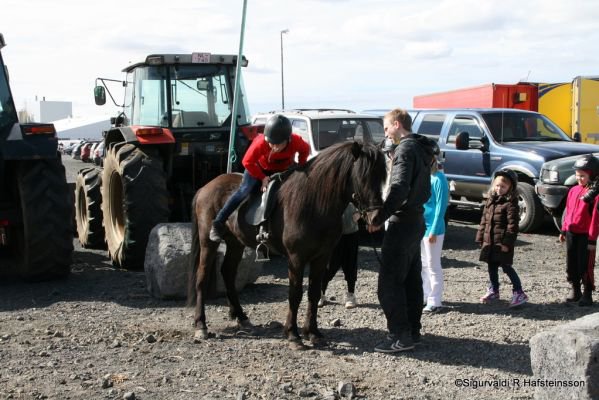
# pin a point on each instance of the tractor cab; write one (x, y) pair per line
(179, 92)
(170, 138)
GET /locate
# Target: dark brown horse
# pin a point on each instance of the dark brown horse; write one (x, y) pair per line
(305, 225)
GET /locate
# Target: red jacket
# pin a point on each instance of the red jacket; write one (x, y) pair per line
(581, 217)
(260, 161)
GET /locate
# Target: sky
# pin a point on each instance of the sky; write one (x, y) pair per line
(355, 54)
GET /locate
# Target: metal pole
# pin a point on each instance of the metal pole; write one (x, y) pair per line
(282, 75)
(232, 155)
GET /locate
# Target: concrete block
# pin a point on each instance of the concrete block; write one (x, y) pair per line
(565, 360)
(167, 263)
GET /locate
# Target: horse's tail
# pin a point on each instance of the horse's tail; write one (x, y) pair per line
(194, 256)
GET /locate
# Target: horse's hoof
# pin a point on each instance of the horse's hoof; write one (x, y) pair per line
(318, 341)
(296, 345)
(311, 336)
(245, 328)
(200, 334)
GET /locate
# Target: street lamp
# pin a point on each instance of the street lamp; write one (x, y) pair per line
(282, 79)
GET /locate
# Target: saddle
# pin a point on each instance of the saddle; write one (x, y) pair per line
(260, 204)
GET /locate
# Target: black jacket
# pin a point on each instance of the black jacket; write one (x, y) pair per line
(410, 184)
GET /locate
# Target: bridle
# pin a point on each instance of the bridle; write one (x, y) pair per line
(363, 211)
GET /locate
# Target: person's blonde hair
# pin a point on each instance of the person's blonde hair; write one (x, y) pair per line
(401, 116)
(505, 179)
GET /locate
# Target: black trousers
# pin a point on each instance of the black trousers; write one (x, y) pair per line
(578, 265)
(345, 257)
(400, 281)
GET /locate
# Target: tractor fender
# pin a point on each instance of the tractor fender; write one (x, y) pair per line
(18, 146)
(137, 134)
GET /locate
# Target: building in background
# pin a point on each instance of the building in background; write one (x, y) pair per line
(82, 127)
(50, 111)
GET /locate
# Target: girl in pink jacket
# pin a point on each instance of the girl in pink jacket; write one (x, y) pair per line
(579, 231)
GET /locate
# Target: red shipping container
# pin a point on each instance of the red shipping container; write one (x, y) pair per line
(522, 96)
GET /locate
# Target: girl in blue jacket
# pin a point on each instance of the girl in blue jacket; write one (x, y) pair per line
(432, 242)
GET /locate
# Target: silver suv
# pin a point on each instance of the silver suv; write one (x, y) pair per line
(322, 127)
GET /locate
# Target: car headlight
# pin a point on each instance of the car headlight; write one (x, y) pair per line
(549, 176)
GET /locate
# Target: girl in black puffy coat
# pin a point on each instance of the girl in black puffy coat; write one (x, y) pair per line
(497, 235)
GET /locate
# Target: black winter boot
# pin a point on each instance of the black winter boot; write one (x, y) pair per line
(586, 300)
(576, 293)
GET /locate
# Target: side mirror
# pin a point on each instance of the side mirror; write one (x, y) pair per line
(485, 143)
(462, 141)
(100, 95)
(576, 137)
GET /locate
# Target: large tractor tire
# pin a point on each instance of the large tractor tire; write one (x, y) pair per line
(532, 212)
(44, 242)
(88, 208)
(134, 200)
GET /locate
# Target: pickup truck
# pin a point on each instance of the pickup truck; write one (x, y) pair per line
(477, 142)
(556, 179)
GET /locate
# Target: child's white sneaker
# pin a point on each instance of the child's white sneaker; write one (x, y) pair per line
(350, 300)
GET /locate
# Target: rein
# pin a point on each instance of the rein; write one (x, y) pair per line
(363, 211)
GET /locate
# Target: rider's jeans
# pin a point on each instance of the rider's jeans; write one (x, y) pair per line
(248, 184)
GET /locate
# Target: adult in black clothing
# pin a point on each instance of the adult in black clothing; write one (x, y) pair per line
(400, 280)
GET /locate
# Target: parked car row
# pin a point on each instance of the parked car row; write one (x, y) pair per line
(87, 151)
(474, 143)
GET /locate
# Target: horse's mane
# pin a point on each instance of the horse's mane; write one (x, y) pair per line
(326, 180)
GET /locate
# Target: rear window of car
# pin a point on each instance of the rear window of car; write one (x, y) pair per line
(326, 132)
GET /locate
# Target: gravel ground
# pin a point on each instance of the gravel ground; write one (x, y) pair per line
(99, 334)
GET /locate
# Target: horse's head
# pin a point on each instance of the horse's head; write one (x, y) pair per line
(367, 179)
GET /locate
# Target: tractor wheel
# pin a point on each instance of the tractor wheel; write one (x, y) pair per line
(531, 208)
(44, 242)
(134, 200)
(88, 208)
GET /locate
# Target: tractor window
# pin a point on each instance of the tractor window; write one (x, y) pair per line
(7, 110)
(149, 97)
(129, 90)
(200, 95)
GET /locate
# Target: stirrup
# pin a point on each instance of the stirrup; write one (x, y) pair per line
(262, 238)
(261, 249)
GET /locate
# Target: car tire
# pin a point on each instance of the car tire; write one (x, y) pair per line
(44, 240)
(88, 208)
(531, 208)
(134, 200)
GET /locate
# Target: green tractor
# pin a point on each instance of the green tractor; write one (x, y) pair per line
(170, 138)
(36, 234)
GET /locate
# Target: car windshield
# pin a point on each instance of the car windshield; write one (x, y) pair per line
(521, 126)
(326, 132)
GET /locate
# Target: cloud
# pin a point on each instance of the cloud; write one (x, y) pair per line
(426, 50)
